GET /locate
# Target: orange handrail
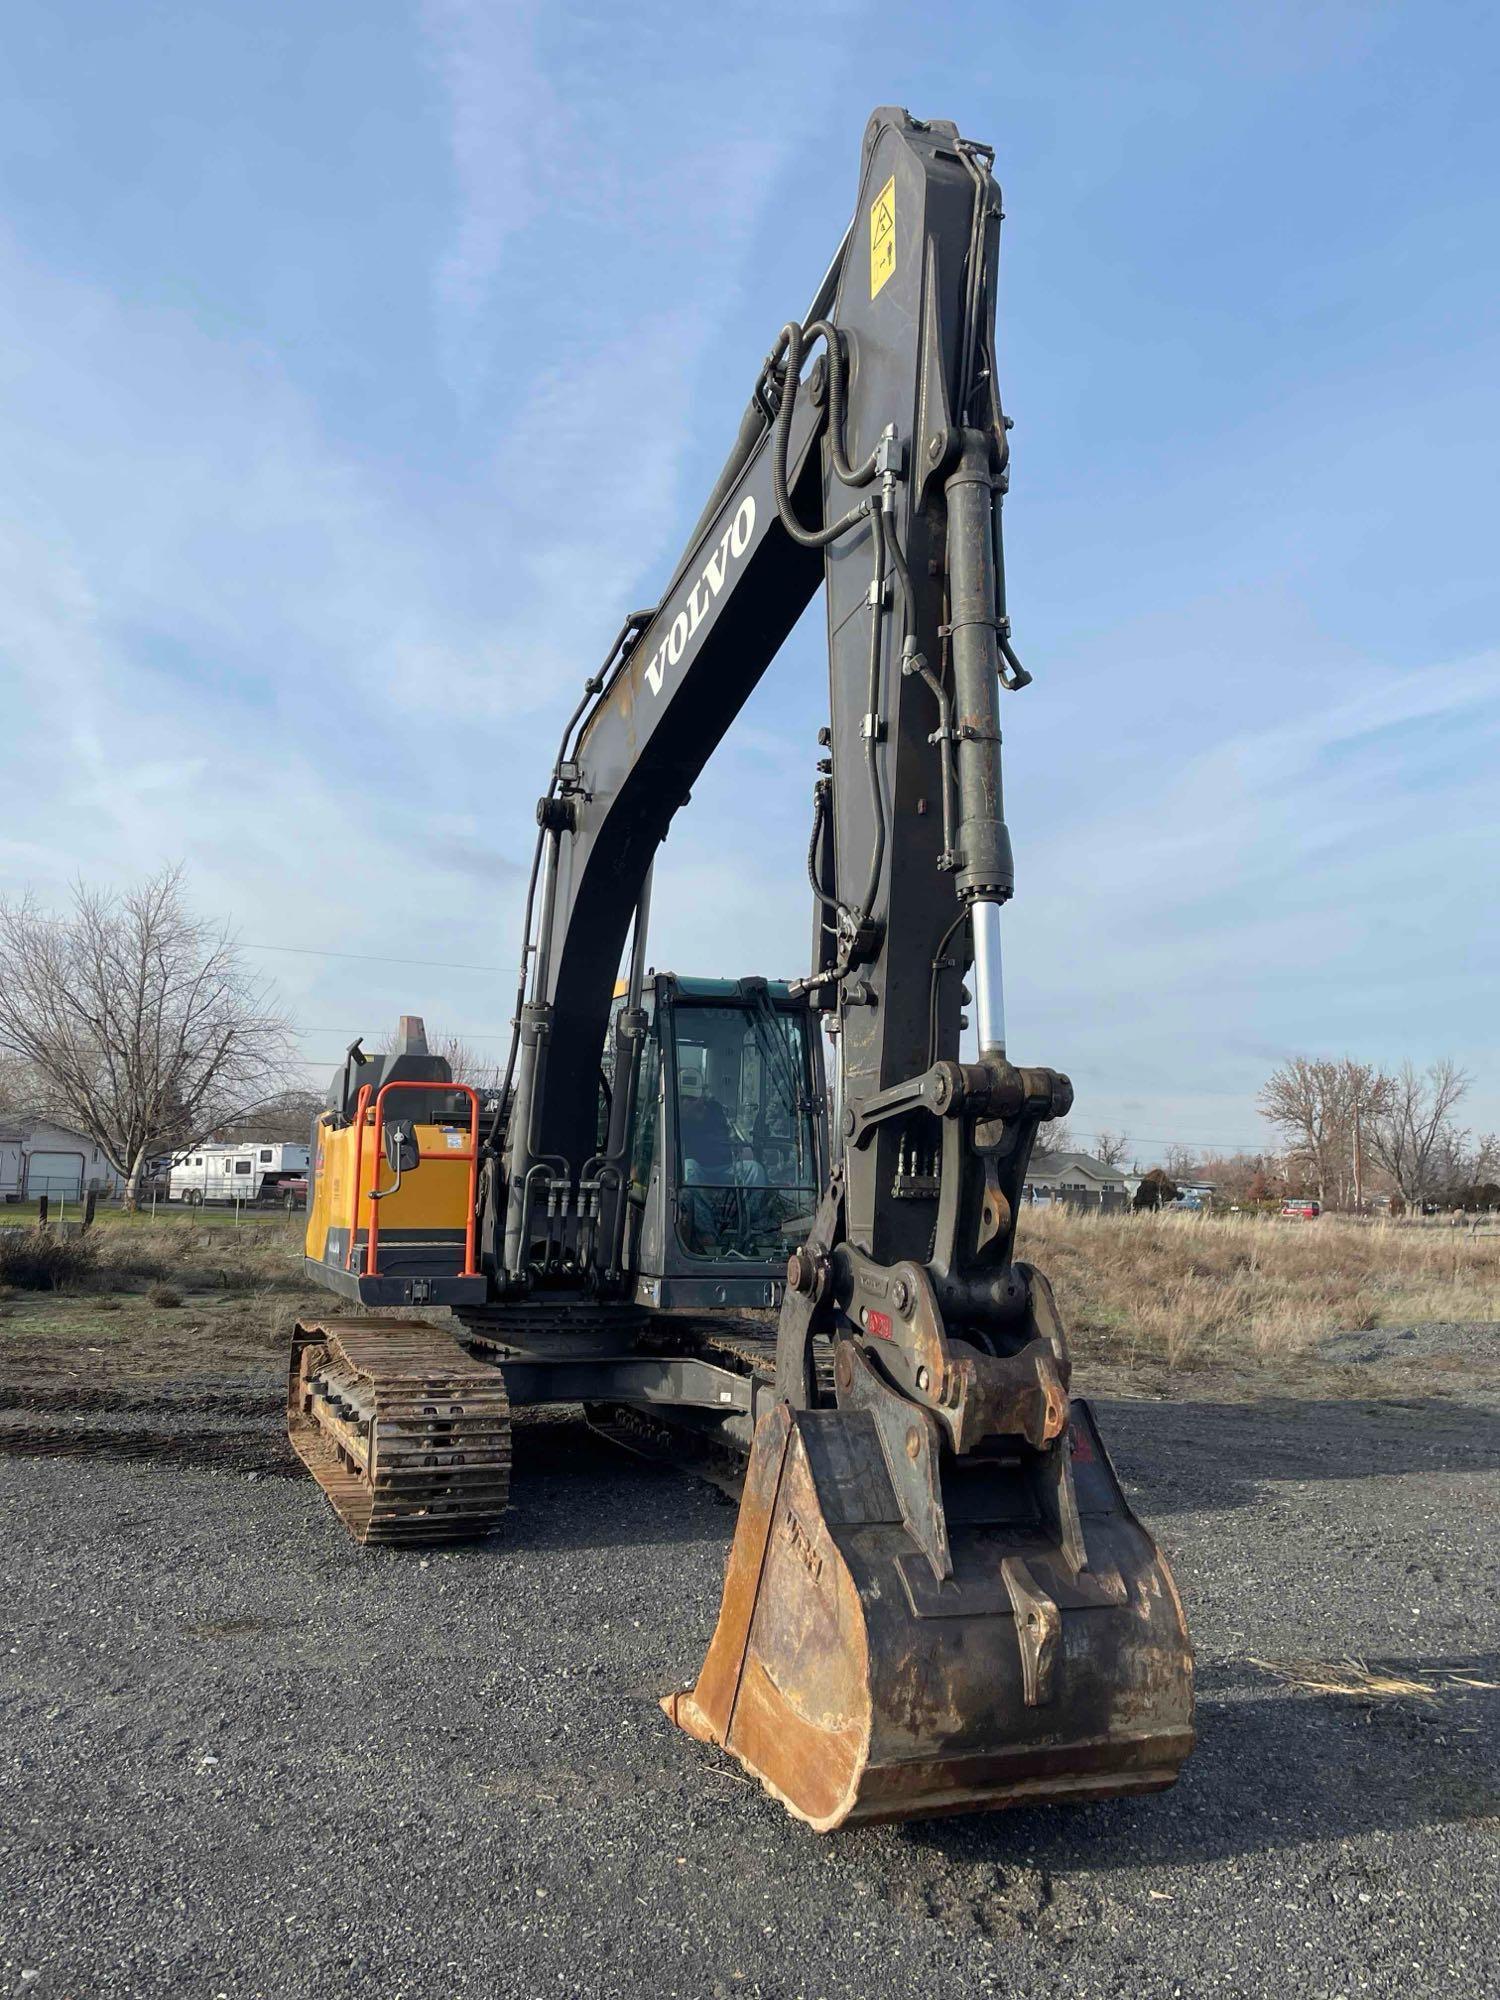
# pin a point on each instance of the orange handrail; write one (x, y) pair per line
(359, 1159)
(372, 1269)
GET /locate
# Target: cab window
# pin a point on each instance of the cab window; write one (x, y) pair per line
(747, 1160)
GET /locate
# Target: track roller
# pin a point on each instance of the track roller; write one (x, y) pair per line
(405, 1433)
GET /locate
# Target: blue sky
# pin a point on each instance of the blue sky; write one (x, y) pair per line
(359, 365)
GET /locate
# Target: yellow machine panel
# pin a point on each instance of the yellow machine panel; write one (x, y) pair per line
(421, 1218)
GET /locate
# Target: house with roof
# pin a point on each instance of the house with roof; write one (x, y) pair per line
(1076, 1178)
(39, 1157)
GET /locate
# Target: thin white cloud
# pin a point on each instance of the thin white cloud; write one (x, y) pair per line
(225, 637)
(222, 639)
(502, 114)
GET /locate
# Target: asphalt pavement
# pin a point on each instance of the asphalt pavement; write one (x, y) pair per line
(243, 1758)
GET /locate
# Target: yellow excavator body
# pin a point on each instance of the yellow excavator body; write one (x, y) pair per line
(351, 1181)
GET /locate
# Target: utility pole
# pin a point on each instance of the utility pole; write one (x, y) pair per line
(1359, 1201)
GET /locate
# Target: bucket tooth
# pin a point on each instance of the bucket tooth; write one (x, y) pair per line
(857, 1685)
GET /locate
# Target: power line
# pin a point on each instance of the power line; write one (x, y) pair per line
(373, 957)
(1261, 1145)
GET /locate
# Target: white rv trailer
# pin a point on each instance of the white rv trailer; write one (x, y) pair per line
(255, 1170)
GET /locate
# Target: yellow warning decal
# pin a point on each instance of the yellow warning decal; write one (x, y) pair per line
(882, 236)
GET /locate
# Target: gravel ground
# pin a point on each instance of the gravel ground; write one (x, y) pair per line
(242, 1758)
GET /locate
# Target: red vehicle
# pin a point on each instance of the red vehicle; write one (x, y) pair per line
(1298, 1210)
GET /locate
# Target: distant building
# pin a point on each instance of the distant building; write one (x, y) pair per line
(38, 1157)
(1077, 1179)
(247, 1170)
(1194, 1194)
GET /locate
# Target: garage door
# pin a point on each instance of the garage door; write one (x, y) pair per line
(59, 1175)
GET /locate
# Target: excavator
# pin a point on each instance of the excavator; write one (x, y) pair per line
(937, 1598)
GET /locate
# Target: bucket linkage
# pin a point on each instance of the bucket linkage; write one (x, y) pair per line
(934, 1610)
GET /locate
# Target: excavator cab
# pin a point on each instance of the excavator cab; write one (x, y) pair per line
(728, 1146)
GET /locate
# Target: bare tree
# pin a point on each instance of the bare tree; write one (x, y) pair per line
(1181, 1163)
(136, 1020)
(1325, 1107)
(1052, 1139)
(18, 1088)
(481, 1072)
(1414, 1124)
(1295, 1098)
(1461, 1163)
(467, 1065)
(1110, 1148)
(287, 1116)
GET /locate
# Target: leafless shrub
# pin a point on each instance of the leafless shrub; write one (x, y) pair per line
(44, 1260)
(120, 1256)
(163, 1295)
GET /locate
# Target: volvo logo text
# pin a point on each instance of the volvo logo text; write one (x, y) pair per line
(732, 545)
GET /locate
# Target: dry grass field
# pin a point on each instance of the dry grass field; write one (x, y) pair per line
(156, 1288)
(1195, 1291)
(1141, 1295)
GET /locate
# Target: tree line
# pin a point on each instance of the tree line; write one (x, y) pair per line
(132, 1020)
(1356, 1136)
(1353, 1135)
(1353, 1130)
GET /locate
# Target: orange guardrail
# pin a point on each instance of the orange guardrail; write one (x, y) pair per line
(360, 1104)
(372, 1266)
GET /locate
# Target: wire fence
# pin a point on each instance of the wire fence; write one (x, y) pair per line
(60, 1198)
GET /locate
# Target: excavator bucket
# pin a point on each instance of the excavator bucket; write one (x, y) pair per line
(857, 1685)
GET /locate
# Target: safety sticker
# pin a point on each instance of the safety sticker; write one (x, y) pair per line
(883, 236)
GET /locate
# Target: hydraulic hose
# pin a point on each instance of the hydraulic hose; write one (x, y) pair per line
(820, 809)
(872, 717)
(595, 685)
(790, 349)
(913, 662)
(838, 364)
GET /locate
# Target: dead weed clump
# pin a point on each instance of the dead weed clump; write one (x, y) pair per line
(1198, 1290)
(1359, 1682)
(45, 1260)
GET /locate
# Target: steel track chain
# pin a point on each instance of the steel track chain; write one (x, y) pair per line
(408, 1436)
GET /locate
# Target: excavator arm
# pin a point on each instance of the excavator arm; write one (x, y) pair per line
(879, 475)
(937, 1596)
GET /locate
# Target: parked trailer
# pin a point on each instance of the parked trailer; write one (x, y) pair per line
(253, 1172)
